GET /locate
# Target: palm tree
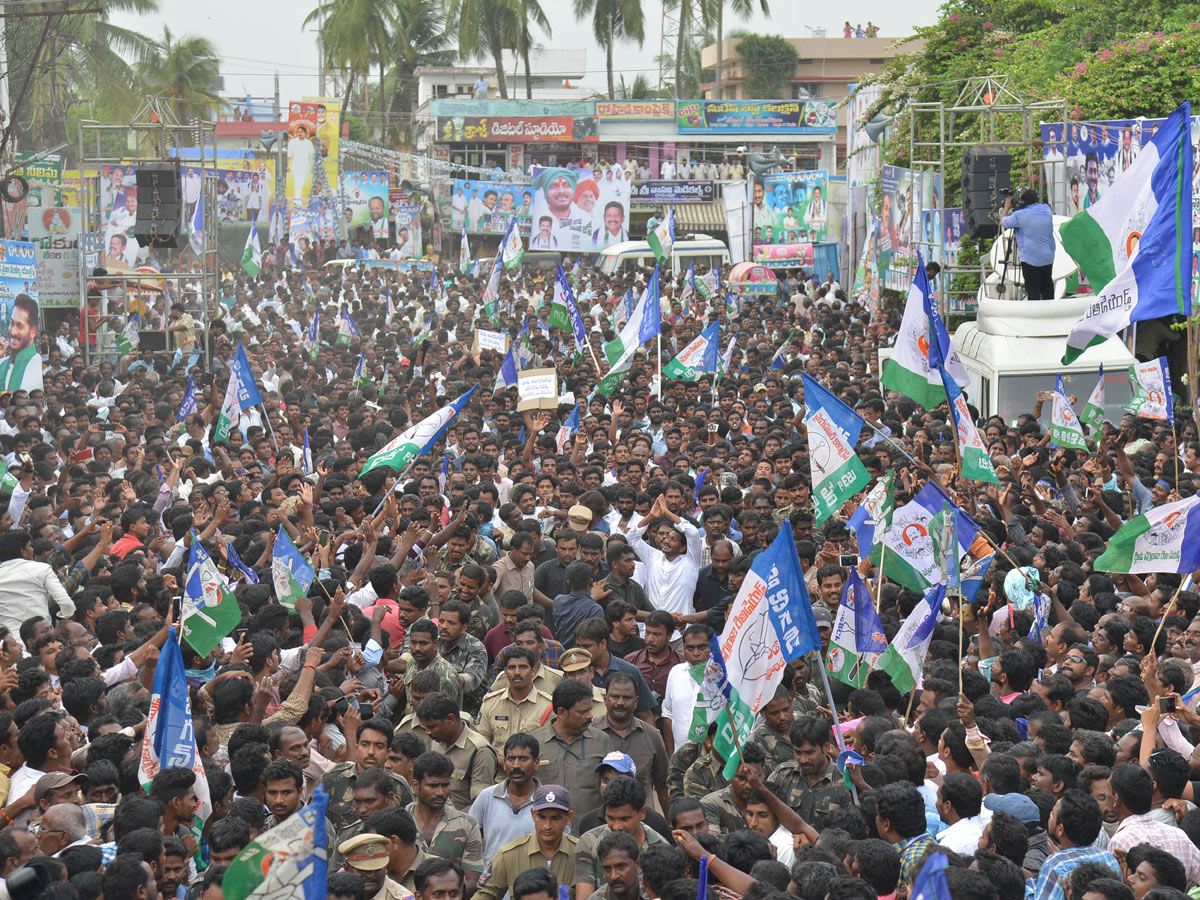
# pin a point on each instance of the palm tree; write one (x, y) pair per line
(481, 29)
(526, 12)
(743, 8)
(186, 72)
(417, 37)
(688, 73)
(352, 35)
(692, 14)
(611, 20)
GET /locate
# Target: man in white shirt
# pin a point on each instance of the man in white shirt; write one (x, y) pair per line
(959, 801)
(679, 695)
(27, 587)
(672, 571)
(667, 169)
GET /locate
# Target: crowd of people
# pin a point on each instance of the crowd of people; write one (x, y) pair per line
(543, 740)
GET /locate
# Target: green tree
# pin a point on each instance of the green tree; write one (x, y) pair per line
(186, 72)
(353, 33)
(416, 37)
(613, 20)
(526, 13)
(770, 62)
(639, 89)
(743, 8)
(484, 28)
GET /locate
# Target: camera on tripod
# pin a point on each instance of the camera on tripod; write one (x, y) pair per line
(1021, 197)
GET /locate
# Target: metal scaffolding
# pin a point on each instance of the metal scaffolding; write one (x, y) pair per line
(187, 273)
(988, 112)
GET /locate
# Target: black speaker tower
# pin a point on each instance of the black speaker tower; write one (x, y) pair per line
(986, 177)
(159, 204)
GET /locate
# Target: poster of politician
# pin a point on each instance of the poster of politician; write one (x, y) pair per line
(578, 210)
(21, 366)
(486, 207)
(365, 202)
(792, 207)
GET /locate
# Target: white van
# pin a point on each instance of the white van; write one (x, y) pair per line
(701, 249)
(1014, 349)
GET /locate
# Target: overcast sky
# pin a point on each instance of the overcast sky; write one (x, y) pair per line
(258, 39)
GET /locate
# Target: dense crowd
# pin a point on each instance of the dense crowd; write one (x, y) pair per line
(491, 674)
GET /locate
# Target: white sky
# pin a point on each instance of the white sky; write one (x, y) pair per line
(258, 39)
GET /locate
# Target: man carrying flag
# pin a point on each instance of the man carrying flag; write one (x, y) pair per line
(567, 429)
(416, 440)
(347, 328)
(644, 324)
(312, 339)
(1135, 243)
(289, 860)
(689, 290)
(464, 252)
(240, 396)
(187, 405)
(563, 296)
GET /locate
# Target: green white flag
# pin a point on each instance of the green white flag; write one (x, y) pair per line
(289, 860)
(905, 656)
(1065, 430)
(697, 358)
(252, 254)
(1093, 410)
(417, 439)
(1166, 539)
(644, 324)
(662, 237)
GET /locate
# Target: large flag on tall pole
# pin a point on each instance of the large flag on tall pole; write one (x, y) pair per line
(910, 559)
(833, 431)
(170, 739)
(464, 252)
(196, 237)
(643, 325)
(563, 296)
(289, 860)
(1134, 244)
(210, 611)
(417, 439)
(911, 371)
(512, 248)
(697, 357)
(1166, 539)
(241, 394)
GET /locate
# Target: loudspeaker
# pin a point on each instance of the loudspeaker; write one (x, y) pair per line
(986, 177)
(159, 204)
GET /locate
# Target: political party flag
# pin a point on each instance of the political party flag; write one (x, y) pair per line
(1134, 244)
(833, 430)
(507, 376)
(445, 472)
(347, 328)
(360, 375)
(464, 252)
(290, 572)
(712, 691)
(306, 458)
(972, 452)
(922, 338)
(187, 405)
(709, 283)
(971, 578)
(931, 883)
(236, 561)
(209, 611)
(773, 625)
(874, 515)
(1093, 410)
(1065, 430)
(910, 560)
(662, 237)
(732, 304)
(564, 297)
(289, 860)
(417, 439)
(435, 284)
(241, 394)
(697, 357)
(624, 308)
(567, 429)
(577, 269)
(1152, 397)
(942, 533)
(196, 238)
(252, 252)
(524, 346)
(905, 655)
(312, 340)
(689, 289)
(727, 356)
(1166, 539)
(857, 638)
(777, 359)
(512, 248)
(644, 324)
(129, 337)
(169, 741)
(491, 292)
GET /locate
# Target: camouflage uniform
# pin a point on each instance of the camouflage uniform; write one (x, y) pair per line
(339, 782)
(587, 863)
(468, 657)
(722, 813)
(602, 893)
(806, 701)
(446, 674)
(474, 766)
(681, 760)
(704, 777)
(485, 615)
(810, 801)
(778, 749)
(456, 838)
(480, 554)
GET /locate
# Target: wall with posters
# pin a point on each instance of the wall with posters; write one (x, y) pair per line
(54, 231)
(578, 210)
(906, 196)
(486, 207)
(365, 201)
(791, 208)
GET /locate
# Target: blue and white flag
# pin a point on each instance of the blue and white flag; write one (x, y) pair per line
(444, 474)
(170, 739)
(857, 638)
(931, 881)
(905, 655)
(833, 430)
(241, 394)
(507, 376)
(1152, 397)
(564, 296)
(312, 340)
(290, 572)
(196, 238)
(1134, 244)
(464, 252)
(624, 308)
(236, 561)
(567, 429)
(306, 460)
(662, 237)
(187, 405)
(698, 357)
(347, 328)
(290, 860)
(874, 514)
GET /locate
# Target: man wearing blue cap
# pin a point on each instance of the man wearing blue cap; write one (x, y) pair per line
(549, 847)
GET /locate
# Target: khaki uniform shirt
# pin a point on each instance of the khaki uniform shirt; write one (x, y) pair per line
(510, 578)
(546, 679)
(501, 716)
(573, 765)
(645, 747)
(408, 879)
(474, 766)
(393, 890)
(456, 838)
(410, 724)
(524, 853)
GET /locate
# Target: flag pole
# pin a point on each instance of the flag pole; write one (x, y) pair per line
(267, 419)
(1167, 612)
(879, 577)
(837, 732)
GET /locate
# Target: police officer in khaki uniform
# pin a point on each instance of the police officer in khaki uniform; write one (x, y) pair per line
(470, 752)
(518, 706)
(548, 847)
(577, 665)
(367, 856)
(571, 747)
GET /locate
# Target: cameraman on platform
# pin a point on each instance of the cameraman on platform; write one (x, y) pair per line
(1034, 225)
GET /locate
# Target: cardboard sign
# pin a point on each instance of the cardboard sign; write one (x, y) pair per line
(537, 389)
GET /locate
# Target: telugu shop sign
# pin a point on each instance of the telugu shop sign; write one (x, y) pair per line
(518, 129)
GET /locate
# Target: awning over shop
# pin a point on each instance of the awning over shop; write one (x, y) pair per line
(706, 217)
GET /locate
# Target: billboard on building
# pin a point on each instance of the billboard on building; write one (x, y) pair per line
(486, 207)
(408, 230)
(907, 194)
(636, 110)
(301, 149)
(578, 210)
(518, 129)
(657, 192)
(55, 231)
(766, 116)
(365, 201)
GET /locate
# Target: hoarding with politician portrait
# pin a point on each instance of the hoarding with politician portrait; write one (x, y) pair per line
(365, 201)
(791, 207)
(906, 196)
(579, 210)
(408, 229)
(486, 207)
(767, 116)
(54, 231)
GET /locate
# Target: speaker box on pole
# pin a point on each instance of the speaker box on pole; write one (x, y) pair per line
(986, 177)
(159, 204)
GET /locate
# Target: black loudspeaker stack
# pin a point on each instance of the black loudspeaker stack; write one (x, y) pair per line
(159, 205)
(986, 177)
